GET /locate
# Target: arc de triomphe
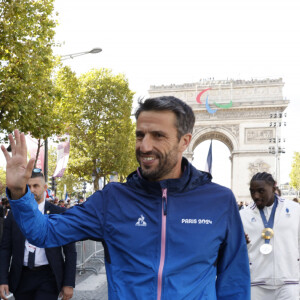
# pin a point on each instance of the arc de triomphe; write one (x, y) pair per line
(247, 116)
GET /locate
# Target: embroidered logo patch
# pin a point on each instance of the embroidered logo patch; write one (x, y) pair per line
(141, 221)
(196, 221)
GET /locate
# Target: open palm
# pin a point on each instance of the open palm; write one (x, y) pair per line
(18, 171)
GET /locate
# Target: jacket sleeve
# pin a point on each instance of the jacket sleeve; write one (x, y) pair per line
(45, 231)
(5, 250)
(233, 274)
(70, 264)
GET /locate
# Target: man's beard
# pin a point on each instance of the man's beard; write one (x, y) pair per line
(38, 198)
(166, 164)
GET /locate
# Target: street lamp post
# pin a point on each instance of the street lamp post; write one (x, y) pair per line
(71, 56)
(65, 57)
(277, 150)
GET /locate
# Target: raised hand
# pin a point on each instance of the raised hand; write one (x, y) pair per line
(18, 171)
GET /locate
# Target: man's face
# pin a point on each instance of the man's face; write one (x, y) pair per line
(37, 187)
(262, 193)
(158, 150)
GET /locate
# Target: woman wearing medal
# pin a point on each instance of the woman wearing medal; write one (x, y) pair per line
(272, 229)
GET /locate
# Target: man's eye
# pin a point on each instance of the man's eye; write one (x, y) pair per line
(158, 135)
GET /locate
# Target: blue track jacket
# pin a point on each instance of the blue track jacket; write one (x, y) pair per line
(167, 240)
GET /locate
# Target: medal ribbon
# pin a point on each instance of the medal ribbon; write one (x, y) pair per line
(270, 223)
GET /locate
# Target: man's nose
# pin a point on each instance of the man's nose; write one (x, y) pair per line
(146, 144)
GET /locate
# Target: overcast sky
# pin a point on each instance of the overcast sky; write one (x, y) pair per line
(182, 41)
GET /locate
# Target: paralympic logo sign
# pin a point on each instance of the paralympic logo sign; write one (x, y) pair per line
(207, 106)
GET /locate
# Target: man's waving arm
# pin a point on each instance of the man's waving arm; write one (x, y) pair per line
(45, 231)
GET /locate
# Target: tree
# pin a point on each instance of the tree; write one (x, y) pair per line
(27, 62)
(295, 172)
(2, 181)
(102, 133)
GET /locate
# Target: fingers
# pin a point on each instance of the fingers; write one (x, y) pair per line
(5, 152)
(29, 168)
(15, 143)
(12, 144)
(17, 137)
(6, 290)
(3, 292)
(23, 144)
(18, 144)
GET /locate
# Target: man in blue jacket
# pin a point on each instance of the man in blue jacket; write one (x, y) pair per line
(169, 232)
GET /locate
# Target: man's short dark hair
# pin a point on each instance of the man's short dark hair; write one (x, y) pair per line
(184, 114)
(37, 174)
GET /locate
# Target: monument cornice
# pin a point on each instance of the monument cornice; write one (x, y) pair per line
(238, 113)
(205, 83)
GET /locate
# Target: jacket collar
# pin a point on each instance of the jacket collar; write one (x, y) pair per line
(190, 179)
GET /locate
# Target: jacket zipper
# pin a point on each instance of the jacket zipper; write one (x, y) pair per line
(163, 243)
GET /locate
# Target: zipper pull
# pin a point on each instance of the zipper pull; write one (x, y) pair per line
(164, 199)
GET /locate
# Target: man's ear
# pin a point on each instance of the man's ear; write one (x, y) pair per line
(185, 141)
(45, 187)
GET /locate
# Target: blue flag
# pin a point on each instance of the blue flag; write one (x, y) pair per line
(208, 164)
(66, 198)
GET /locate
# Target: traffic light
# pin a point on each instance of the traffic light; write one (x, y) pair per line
(84, 188)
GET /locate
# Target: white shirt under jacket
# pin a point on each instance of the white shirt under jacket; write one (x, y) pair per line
(40, 254)
(281, 266)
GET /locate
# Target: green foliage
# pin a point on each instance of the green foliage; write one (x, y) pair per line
(101, 133)
(27, 98)
(67, 92)
(2, 181)
(295, 172)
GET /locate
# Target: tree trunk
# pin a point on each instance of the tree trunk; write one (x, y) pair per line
(37, 152)
(96, 184)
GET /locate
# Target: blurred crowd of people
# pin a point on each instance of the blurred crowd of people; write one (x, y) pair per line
(65, 203)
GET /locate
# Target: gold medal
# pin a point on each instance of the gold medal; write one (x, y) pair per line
(267, 233)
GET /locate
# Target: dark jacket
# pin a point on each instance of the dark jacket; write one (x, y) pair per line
(13, 244)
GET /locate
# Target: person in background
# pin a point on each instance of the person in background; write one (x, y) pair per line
(277, 190)
(6, 206)
(33, 273)
(61, 203)
(272, 228)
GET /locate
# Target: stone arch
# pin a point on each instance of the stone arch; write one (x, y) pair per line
(217, 133)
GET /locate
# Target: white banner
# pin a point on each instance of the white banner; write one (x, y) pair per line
(63, 152)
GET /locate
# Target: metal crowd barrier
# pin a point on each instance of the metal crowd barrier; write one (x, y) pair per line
(90, 255)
